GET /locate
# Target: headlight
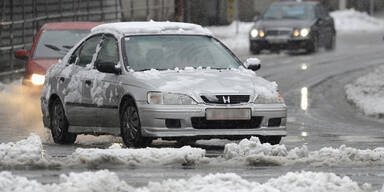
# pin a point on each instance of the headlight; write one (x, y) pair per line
(254, 33)
(296, 33)
(38, 79)
(261, 99)
(170, 99)
(304, 32)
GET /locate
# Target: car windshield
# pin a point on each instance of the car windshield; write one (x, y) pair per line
(178, 51)
(56, 43)
(289, 11)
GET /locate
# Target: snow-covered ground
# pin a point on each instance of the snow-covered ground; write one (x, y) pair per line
(30, 153)
(105, 180)
(346, 21)
(367, 93)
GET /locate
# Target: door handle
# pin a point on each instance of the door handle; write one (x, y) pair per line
(88, 82)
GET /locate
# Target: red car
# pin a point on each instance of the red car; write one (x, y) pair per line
(51, 43)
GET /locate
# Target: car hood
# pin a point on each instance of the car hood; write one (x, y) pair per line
(205, 81)
(283, 23)
(41, 66)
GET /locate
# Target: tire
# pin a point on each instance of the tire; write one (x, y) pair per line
(131, 127)
(255, 51)
(331, 43)
(273, 140)
(59, 125)
(313, 46)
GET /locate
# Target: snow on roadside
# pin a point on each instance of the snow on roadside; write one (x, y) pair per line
(24, 153)
(351, 20)
(367, 93)
(255, 153)
(115, 155)
(105, 180)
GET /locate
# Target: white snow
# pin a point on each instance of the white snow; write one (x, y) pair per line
(116, 155)
(367, 93)
(137, 28)
(255, 153)
(26, 152)
(105, 180)
(354, 21)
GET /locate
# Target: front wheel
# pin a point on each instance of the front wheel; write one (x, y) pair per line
(273, 140)
(59, 124)
(131, 127)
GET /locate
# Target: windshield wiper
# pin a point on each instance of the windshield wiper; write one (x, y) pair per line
(53, 47)
(68, 46)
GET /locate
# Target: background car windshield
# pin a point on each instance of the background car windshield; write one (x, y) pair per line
(289, 11)
(168, 52)
(56, 43)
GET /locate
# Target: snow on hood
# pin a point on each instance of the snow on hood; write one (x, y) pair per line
(105, 180)
(351, 21)
(115, 155)
(255, 153)
(208, 81)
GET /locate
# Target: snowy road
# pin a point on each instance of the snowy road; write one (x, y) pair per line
(319, 116)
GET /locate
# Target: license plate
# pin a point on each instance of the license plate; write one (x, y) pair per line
(228, 114)
(277, 40)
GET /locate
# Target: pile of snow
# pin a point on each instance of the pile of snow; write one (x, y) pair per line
(367, 93)
(86, 181)
(255, 153)
(238, 42)
(27, 152)
(352, 21)
(228, 182)
(115, 155)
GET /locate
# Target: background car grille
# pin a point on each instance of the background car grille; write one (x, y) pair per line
(203, 123)
(226, 99)
(277, 32)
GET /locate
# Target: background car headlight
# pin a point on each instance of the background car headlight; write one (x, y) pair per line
(254, 33)
(38, 79)
(304, 32)
(170, 99)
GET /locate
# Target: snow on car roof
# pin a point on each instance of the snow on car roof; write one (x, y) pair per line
(151, 27)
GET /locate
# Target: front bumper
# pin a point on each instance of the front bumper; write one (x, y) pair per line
(277, 43)
(154, 121)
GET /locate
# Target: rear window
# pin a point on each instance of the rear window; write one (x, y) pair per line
(56, 43)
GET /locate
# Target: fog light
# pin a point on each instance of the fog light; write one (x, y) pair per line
(38, 79)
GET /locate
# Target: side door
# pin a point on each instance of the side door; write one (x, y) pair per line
(321, 24)
(103, 94)
(80, 62)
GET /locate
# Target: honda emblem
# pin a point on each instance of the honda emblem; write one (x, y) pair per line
(226, 99)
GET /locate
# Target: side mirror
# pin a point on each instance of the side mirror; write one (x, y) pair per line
(252, 64)
(108, 67)
(21, 54)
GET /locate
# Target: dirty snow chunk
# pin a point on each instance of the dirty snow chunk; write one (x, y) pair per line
(255, 153)
(352, 21)
(229, 182)
(137, 157)
(86, 181)
(367, 93)
(22, 153)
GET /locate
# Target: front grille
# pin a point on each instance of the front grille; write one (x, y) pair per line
(203, 123)
(274, 122)
(225, 99)
(278, 32)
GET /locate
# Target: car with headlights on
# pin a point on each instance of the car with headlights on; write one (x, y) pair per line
(169, 80)
(51, 43)
(294, 25)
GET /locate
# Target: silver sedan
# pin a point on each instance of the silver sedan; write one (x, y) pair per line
(148, 80)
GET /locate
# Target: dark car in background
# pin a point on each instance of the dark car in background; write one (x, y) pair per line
(51, 43)
(293, 26)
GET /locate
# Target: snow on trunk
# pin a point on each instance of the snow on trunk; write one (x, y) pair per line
(105, 180)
